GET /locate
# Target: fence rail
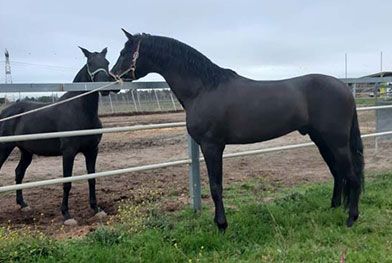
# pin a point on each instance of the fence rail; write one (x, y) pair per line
(141, 96)
(78, 86)
(50, 135)
(163, 165)
(62, 87)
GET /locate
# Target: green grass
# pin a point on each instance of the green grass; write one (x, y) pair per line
(298, 226)
(365, 101)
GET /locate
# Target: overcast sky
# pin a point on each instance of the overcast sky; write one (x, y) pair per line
(258, 39)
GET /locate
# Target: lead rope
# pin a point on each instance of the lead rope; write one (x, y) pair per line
(118, 79)
(60, 102)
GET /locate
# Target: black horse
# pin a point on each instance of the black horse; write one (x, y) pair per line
(225, 108)
(78, 114)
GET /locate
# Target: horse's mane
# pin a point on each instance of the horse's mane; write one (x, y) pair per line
(80, 77)
(170, 52)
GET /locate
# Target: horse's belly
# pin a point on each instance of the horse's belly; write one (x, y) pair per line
(253, 128)
(48, 147)
(253, 135)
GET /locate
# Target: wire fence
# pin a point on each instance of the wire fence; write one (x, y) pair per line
(193, 160)
(130, 101)
(139, 100)
(147, 96)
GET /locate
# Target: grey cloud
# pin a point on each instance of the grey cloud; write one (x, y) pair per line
(260, 39)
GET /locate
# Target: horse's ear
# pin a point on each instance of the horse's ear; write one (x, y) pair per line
(127, 34)
(85, 52)
(104, 51)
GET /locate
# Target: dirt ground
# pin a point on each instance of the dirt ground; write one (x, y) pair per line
(168, 185)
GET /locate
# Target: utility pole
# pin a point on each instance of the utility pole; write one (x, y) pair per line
(8, 76)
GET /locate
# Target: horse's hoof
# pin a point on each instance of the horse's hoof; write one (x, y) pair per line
(222, 227)
(351, 220)
(101, 215)
(26, 209)
(70, 222)
(335, 205)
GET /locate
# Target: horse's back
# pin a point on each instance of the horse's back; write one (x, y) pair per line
(9, 127)
(49, 120)
(250, 111)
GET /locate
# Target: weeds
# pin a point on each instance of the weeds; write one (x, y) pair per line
(295, 226)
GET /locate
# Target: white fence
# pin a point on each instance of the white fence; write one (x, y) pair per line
(193, 159)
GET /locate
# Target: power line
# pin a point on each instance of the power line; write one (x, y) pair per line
(42, 65)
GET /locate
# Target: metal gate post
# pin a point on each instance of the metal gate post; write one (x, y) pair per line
(194, 174)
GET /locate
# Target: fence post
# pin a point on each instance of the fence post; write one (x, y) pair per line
(194, 174)
(376, 86)
(355, 90)
(111, 103)
(172, 100)
(138, 99)
(133, 99)
(156, 97)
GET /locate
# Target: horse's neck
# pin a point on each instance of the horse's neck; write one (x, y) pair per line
(185, 89)
(186, 84)
(88, 103)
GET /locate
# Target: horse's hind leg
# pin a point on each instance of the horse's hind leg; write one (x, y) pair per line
(5, 151)
(328, 157)
(91, 158)
(352, 183)
(20, 171)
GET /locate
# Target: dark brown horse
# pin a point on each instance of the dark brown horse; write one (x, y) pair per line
(225, 108)
(78, 114)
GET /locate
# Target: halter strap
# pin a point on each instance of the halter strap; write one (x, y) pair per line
(92, 74)
(135, 56)
(132, 67)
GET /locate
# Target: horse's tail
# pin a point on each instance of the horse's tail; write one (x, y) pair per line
(8, 126)
(3, 114)
(356, 148)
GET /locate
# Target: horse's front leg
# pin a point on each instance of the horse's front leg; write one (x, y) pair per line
(213, 157)
(68, 161)
(91, 159)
